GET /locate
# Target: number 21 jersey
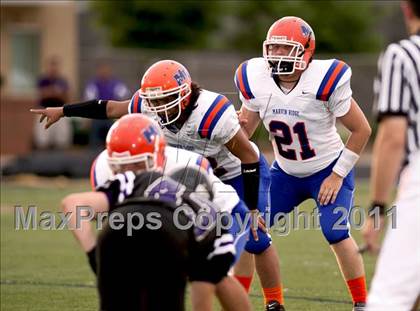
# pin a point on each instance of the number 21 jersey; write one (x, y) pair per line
(301, 123)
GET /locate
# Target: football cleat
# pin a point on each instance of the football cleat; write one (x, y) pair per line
(274, 306)
(359, 306)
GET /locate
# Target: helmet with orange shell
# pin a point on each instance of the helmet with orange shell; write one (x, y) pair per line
(165, 90)
(299, 39)
(135, 139)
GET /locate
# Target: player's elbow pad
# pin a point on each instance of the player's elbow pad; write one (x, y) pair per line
(251, 178)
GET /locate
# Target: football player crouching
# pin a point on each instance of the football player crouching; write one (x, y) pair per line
(205, 122)
(136, 156)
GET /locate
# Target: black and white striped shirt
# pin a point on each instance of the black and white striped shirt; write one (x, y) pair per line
(397, 87)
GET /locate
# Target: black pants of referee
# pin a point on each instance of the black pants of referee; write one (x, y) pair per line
(145, 271)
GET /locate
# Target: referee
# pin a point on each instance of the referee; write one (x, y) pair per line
(396, 283)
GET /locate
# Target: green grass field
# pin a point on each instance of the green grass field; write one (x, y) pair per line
(46, 270)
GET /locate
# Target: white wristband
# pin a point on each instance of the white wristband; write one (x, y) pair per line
(345, 162)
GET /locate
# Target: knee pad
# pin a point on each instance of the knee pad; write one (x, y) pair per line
(334, 217)
(334, 236)
(257, 247)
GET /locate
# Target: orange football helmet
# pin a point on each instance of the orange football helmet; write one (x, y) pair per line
(136, 138)
(298, 37)
(165, 90)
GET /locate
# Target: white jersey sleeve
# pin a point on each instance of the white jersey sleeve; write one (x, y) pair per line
(225, 195)
(243, 85)
(219, 122)
(135, 103)
(227, 127)
(100, 172)
(340, 100)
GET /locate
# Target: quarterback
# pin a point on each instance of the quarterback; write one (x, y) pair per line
(299, 100)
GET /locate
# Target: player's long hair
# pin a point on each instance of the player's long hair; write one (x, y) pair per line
(192, 104)
(195, 93)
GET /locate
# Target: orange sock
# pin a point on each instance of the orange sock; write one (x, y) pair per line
(357, 289)
(274, 293)
(245, 281)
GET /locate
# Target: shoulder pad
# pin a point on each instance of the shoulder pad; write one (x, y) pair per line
(212, 115)
(100, 172)
(135, 103)
(242, 82)
(332, 77)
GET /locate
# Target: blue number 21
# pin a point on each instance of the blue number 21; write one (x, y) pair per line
(283, 136)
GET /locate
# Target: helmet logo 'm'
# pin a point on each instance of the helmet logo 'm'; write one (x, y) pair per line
(180, 76)
(149, 133)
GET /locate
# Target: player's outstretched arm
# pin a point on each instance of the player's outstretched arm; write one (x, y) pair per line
(92, 109)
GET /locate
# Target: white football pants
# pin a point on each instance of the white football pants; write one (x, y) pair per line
(396, 283)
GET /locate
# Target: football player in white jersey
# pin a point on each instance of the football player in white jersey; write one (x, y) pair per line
(101, 172)
(299, 100)
(205, 122)
(135, 161)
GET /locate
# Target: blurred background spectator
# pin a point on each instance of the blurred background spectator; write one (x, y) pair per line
(103, 86)
(53, 92)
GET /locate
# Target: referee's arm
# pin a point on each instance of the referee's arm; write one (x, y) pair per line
(393, 100)
(389, 146)
(388, 153)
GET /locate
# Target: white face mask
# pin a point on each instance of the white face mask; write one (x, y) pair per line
(167, 112)
(283, 56)
(142, 162)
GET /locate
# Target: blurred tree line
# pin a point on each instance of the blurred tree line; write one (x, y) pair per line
(339, 26)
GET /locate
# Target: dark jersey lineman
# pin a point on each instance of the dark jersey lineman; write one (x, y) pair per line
(148, 269)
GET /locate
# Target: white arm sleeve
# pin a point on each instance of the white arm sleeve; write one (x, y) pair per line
(248, 104)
